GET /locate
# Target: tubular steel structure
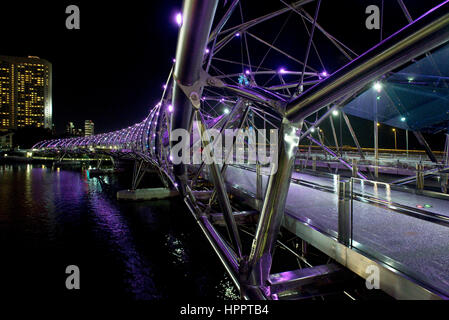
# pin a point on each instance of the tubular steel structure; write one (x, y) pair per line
(205, 79)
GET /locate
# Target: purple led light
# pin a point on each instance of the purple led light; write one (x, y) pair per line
(324, 73)
(282, 71)
(237, 34)
(207, 50)
(247, 72)
(178, 19)
(170, 108)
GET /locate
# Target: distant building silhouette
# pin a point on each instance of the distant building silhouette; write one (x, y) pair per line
(70, 128)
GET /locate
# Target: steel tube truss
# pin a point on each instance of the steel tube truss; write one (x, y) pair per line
(196, 25)
(417, 38)
(272, 214)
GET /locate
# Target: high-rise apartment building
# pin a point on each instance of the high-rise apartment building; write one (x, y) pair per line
(25, 93)
(88, 128)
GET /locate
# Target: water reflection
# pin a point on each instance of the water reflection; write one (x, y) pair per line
(176, 249)
(56, 217)
(110, 222)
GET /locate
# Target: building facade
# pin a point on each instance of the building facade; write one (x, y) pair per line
(25, 93)
(6, 141)
(88, 128)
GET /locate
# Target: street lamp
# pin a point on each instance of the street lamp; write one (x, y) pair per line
(404, 119)
(395, 140)
(377, 86)
(321, 133)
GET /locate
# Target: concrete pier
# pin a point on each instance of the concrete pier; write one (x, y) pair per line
(146, 194)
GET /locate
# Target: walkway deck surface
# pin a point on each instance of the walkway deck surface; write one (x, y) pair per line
(416, 247)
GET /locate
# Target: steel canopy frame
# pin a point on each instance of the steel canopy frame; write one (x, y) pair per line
(424, 34)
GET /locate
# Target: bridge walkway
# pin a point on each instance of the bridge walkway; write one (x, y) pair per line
(387, 224)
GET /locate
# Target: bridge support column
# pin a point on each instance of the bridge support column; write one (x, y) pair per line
(197, 21)
(272, 214)
(220, 187)
(138, 173)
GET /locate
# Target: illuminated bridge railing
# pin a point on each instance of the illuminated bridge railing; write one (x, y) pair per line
(146, 141)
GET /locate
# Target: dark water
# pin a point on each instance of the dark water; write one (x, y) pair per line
(50, 219)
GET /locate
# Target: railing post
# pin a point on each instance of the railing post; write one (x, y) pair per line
(355, 170)
(419, 176)
(259, 195)
(444, 180)
(345, 212)
(304, 248)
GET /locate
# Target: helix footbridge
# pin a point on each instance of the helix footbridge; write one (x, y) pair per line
(346, 210)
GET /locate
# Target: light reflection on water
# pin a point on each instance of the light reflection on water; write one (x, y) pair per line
(146, 250)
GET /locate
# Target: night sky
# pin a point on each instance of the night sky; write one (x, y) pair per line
(111, 70)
